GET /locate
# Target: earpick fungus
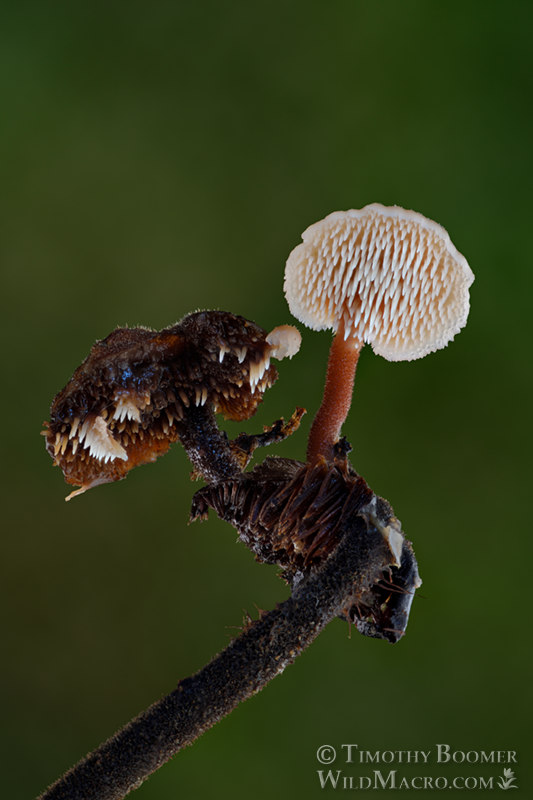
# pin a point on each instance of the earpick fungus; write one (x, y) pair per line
(386, 276)
(139, 390)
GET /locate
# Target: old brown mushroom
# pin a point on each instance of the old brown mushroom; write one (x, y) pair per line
(382, 275)
(139, 390)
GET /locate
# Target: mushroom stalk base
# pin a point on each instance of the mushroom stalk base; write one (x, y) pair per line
(337, 399)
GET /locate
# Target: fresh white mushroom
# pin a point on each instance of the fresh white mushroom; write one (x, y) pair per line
(386, 276)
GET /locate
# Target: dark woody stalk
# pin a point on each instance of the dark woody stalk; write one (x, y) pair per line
(261, 652)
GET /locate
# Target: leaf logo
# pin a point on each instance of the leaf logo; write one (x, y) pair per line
(507, 780)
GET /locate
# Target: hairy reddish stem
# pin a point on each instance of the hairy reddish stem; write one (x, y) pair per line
(327, 424)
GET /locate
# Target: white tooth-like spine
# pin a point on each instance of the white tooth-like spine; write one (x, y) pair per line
(97, 439)
(184, 398)
(251, 376)
(83, 430)
(126, 408)
(256, 371)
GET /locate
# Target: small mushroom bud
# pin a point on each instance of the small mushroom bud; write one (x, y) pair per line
(284, 341)
(385, 276)
(131, 397)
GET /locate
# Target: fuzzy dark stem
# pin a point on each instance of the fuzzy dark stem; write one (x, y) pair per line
(212, 455)
(206, 445)
(260, 653)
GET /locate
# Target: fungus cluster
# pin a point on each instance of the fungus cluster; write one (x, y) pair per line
(386, 276)
(131, 397)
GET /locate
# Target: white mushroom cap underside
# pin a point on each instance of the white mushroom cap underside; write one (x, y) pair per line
(393, 275)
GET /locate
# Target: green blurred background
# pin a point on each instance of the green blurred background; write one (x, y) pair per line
(159, 158)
